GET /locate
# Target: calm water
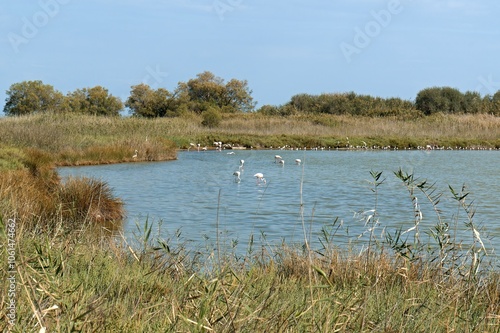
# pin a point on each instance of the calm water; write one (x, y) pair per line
(191, 194)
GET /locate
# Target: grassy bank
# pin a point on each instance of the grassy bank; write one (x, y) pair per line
(61, 270)
(77, 139)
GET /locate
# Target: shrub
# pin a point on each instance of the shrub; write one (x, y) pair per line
(211, 118)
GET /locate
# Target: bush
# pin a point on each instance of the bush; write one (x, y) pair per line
(211, 117)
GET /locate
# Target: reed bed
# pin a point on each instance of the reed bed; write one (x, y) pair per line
(80, 282)
(78, 139)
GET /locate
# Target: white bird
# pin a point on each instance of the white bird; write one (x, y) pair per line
(282, 162)
(135, 154)
(260, 178)
(236, 175)
(198, 145)
(277, 158)
(298, 161)
(191, 145)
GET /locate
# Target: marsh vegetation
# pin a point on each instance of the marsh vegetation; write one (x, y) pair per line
(71, 276)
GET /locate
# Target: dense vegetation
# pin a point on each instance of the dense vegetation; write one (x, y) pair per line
(65, 272)
(210, 94)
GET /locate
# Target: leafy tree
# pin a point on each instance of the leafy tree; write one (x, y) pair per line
(439, 99)
(303, 103)
(495, 101)
(427, 100)
(452, 100)
(95, 101)
(238, 96)
(208, 90)
(471, 102)
(140, 101)
(32, 97)
(147, 102)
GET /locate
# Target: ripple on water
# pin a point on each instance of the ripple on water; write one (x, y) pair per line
(188, 193)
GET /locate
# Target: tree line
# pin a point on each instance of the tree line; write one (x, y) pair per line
(428, 101)
(205, 93)
(211, 96)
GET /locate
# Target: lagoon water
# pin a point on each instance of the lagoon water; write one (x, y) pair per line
(195, 199)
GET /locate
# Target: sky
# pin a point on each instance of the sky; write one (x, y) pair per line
(388, 48)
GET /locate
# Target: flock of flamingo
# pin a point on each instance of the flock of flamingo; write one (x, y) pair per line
(259, 176)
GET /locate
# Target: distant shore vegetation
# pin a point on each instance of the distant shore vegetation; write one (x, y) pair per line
(211, 96)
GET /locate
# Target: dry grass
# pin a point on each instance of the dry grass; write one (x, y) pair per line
(41, 201)
(437, 127)
(80, 282)
(77, 139)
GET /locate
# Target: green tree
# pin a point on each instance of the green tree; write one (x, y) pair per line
(304, 103)
(208, 90)
(453, 100)
(495, 104)
(95, 101)
(238, 97)
(147, 102)
(32, 97)
(140, 101)
(471, 102)
(439, 99)
(428, 101)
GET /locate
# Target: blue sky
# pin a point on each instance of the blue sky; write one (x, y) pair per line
(389, 48)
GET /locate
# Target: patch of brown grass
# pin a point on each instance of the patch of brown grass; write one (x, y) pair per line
(40, 201)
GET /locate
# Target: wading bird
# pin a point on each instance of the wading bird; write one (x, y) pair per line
(277, 158)
(236, 175)
(242, 162)
(298, 161)
(135, 154)
(260, 178)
